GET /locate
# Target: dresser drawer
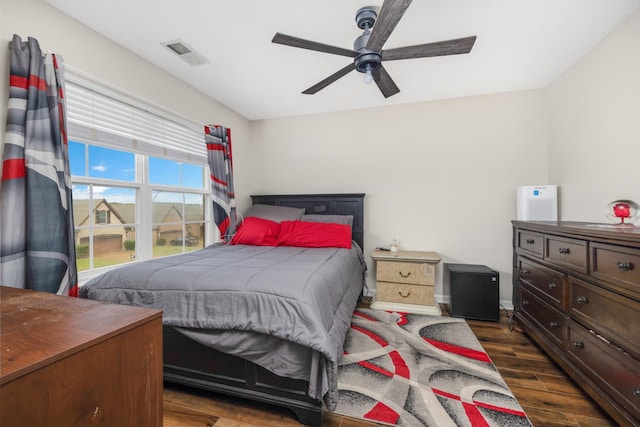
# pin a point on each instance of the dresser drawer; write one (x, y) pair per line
(530, 242)
(614, 371)
(405, 272)
(607, 313)
(571, 253)
(550, 282)
(404, 293)
(616, 264)
(551, 321)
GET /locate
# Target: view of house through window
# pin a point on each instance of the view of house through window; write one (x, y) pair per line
(121, 212)
(178, 222)
(104, 224)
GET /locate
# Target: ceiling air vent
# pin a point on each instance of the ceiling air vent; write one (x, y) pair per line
(185, 52)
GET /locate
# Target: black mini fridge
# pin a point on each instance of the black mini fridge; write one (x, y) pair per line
(472, 291)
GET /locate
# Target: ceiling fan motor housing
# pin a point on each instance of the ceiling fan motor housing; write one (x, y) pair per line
(366, 58)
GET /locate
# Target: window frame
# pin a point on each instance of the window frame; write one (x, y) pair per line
(85, 134)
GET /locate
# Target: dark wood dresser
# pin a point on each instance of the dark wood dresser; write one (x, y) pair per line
(73, 362)
(577, 294)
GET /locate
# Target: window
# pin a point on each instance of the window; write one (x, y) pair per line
(103, 216)
(178, 222)
(178, 216)
(138, 180)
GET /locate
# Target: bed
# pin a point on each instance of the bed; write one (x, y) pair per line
(278, 345)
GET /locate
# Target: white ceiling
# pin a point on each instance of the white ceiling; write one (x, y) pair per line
(521, 44)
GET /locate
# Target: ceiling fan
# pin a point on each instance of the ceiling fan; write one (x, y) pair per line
(367, 48)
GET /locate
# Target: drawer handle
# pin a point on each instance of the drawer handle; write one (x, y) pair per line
(636, 392)
(408, 274)
(578, 345)
(530, 241)
(564, 251)
(524, 272)
(552, 286)
(625, 266)
(553, 324)
(404, 296)
(525, 302)
(582, 300)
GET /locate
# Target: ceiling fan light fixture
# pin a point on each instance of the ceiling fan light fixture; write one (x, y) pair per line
(366, 63)
(368, 77)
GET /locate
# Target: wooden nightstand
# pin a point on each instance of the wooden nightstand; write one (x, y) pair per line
(405, 281)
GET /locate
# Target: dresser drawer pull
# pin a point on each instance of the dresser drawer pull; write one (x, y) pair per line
(525, 302)
(582, 300)
(404, 296)
(625, 266)
(564, 251)
(530, 241)
(636, 392)
(552, 286)
(403, 275)
(553, 324)
(524, 272)
(578, 345)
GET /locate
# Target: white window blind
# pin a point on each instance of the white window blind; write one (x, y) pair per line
(94, 116)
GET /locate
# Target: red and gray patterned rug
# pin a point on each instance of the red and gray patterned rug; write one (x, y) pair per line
(414, 371)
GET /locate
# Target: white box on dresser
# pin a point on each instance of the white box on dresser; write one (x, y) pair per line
(405, 281)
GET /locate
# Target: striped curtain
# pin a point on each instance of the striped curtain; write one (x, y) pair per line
(218, 139)
(36, 217)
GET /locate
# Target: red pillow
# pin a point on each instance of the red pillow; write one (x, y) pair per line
(314, 234)
(257, 232)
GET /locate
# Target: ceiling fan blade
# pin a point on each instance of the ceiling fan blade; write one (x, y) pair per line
(332, 78)
(385, 82)
(390, 13)
(447, 47)
(307, 44)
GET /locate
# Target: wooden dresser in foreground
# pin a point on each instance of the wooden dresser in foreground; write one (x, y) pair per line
(577, 294)
(73, 362)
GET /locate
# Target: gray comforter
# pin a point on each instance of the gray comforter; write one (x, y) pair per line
(285, 308)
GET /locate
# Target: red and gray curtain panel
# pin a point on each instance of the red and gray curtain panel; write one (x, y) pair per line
(218, 139)
(37, 248)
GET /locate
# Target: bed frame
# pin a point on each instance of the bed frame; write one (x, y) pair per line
(191, 363)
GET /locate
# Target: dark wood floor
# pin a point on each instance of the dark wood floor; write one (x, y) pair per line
(548, 396)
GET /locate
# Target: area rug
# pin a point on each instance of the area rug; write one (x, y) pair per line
(414, 371)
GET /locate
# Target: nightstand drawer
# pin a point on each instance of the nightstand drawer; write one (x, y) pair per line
(405, 272)
(405, 294)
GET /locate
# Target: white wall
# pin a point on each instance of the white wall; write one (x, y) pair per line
(439, 176)
(89, 52)
(594, 127)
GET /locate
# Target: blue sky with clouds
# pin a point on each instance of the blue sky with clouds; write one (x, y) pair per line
(98, 162)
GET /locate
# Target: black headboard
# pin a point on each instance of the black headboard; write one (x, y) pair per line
(323, 204)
